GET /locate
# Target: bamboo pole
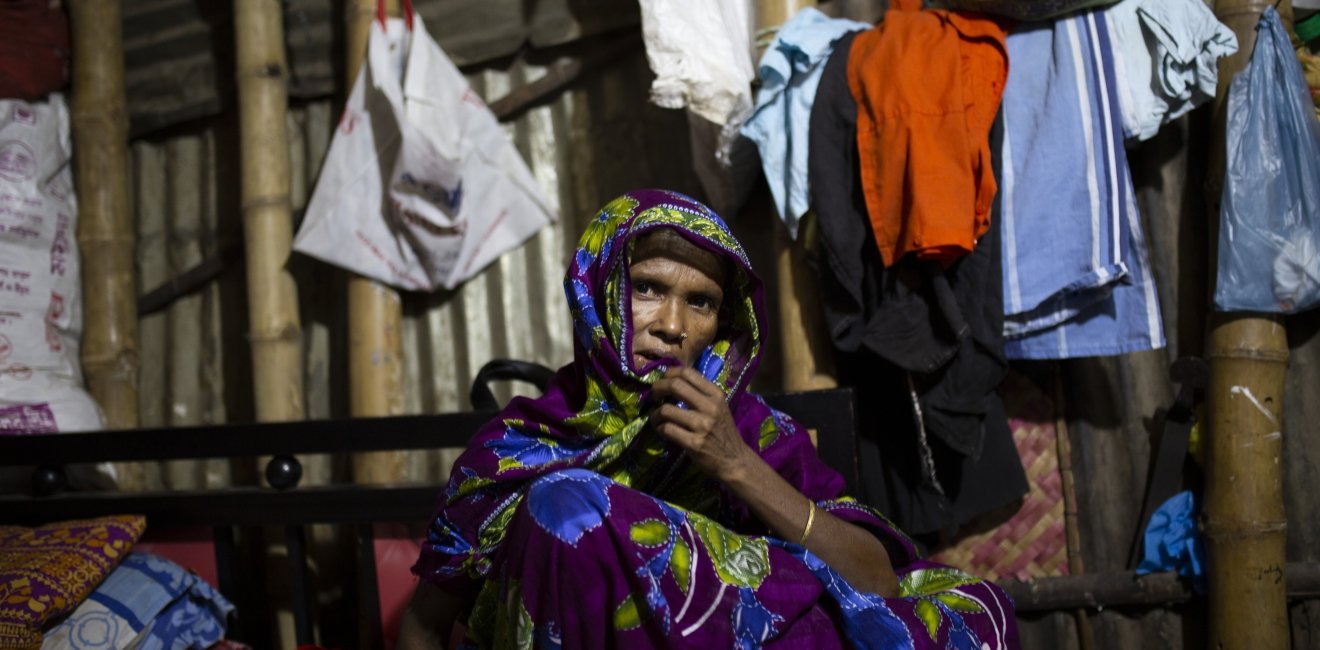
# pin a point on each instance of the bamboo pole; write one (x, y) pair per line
(375, 312)
(105, 225)
(1244, 518)
(106, 236)
(808, 364)
(274, 328)
(1071, 520)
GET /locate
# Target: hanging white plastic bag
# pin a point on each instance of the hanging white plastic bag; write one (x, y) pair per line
(1270, 217)
(421, 187)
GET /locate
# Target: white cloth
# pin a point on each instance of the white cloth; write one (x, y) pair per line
(1168, 52)
(701, 54)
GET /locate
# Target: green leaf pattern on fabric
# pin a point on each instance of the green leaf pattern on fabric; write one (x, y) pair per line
(470, 485)
(649, 533)
(492, 532)
(930, 615)
(602, 228)
(680, 564)
(958, 602)
(626, 615)
(934, 587)
(923, 582)
(602, 415)
(739, 561)
(769, 433)
(513, 624)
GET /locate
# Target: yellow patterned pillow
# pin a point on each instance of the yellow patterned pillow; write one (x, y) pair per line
(46, 571)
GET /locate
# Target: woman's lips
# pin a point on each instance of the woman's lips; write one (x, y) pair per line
(643, 357)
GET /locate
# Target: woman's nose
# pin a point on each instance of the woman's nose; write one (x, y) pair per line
(668, 323)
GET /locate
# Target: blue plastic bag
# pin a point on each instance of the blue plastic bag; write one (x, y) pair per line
(1269, 235)
(1172, 542)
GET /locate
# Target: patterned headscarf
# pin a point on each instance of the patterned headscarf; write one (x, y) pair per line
(599, 291)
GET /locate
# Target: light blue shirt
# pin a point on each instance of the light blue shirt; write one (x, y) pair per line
(790, 71)
(1167, 54)
(1076, 274)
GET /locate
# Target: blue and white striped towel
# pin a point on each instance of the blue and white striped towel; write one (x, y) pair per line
(1076, 275)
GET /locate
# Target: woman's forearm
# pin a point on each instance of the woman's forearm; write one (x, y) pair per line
(852, 551)
(428, 619)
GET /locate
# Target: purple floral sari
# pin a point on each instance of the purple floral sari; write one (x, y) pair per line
(569, 524)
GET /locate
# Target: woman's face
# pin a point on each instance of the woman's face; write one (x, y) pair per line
(677, 290)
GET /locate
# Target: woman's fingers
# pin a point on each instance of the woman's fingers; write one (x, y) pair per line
(691, 421)
(687, 385)
(708, 444)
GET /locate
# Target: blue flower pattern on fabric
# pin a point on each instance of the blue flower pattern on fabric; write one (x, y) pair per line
(569, 503)
(753, 623)
(527, 450)
(584, 258)
(585, 306)
(654, 569)
(445, 537)
(867, 620)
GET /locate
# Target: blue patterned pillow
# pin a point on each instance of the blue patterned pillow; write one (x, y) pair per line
(147, 602)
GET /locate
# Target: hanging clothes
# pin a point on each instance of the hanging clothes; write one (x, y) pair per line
(789, 71)
(940, 462)
(700, 53)
(1167, 59)
(1076, 275)
(927, 86)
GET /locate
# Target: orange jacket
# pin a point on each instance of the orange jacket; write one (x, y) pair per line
(927, 85)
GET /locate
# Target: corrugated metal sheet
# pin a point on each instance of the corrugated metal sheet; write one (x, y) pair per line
(178, 54)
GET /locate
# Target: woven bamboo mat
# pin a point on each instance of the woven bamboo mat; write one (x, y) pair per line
(1032, 543)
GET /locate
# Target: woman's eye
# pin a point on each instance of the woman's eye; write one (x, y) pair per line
(701, 302)
(643, 287)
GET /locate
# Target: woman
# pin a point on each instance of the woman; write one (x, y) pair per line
(648, 500)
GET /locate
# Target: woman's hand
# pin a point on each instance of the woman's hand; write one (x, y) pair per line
(705, 429)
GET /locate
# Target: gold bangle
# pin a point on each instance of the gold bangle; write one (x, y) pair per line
(811, 521)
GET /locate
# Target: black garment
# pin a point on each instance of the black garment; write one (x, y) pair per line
(914, 327)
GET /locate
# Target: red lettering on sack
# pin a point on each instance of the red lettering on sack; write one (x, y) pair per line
(54, 313)
(17, 162)
(59, 246)
(17, 371)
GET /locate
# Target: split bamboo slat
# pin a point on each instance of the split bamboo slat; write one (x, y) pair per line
(106, 234)
(808, 364)
(274, 327)
(1248, 353)
(184, 320)
(375, 312)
